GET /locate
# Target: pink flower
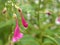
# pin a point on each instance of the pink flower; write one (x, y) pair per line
(17, 35)
(25, 24)
(57, 21)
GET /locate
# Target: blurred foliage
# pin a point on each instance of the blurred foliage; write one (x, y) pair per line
(39, 31)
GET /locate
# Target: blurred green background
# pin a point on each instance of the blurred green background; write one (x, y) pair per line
(41, 30)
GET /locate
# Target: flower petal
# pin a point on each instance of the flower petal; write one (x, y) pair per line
(25, 24)
(15, 39)
(17, 35)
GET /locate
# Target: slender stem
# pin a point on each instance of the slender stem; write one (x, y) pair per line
(56, 43)
(21, 14)
(41, 30)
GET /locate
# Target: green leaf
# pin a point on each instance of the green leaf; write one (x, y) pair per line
(3, 24)
(28, 40)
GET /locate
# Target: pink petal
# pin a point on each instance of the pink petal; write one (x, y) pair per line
(17, 35)
(15, 39)
(25, 24)
(58, 19)
(17, 30)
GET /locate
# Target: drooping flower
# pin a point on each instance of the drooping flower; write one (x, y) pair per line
(57, 21)
(17, 35)
(25, 24)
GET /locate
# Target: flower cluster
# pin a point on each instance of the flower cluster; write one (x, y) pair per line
(17, 34)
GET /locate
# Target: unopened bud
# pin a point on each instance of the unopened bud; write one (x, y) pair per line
(19, 9)
(4, 10)
(47, 12)
(14, 16)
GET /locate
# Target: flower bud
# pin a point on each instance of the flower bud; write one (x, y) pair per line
(14, 16)
(25, 24)
(4, 10)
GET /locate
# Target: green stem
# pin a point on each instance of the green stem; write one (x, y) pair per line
(56, 43)
(41, 30)
(41, 38)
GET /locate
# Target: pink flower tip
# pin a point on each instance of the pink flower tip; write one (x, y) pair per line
(57, 21)
(25, 24)
(19, 36)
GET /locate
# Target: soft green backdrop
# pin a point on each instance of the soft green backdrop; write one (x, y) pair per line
(39, 32)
